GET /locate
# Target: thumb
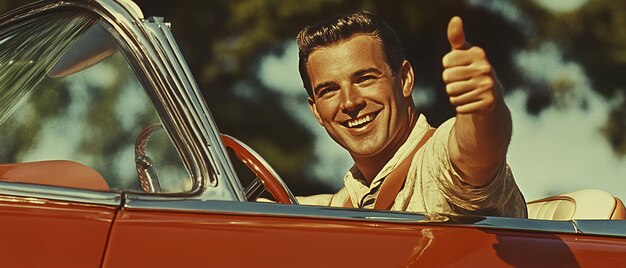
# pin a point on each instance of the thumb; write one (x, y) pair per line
(456, 34)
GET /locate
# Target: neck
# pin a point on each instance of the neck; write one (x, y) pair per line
(371, 166)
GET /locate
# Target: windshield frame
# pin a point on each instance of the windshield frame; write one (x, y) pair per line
(174, 94)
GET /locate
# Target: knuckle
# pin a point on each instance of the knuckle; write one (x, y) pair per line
(479, 52)
(487, 103)
(481, 68)
(488, 83)
(489, 99)
(453, 100)
(446, 76)
(486, 68)
(449, 89)
(462, 110)
(445, 62)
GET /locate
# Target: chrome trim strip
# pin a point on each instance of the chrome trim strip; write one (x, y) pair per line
(177, 100)
(60, 194)
(527, 225)
(200, 123)
(602, 227)
(210, 133)
(132, 8)
(265, 209)
(318, 212)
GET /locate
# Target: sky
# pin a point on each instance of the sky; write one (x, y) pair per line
(561, 5)
(558, 151)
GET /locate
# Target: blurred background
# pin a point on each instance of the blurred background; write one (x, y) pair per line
(562, 63)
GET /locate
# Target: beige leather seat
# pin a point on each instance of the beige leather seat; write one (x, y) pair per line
(583, 204)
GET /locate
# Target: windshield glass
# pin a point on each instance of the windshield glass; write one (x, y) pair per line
(69, 94)
(27, 56)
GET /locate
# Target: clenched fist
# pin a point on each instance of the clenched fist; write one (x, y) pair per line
(469, 77)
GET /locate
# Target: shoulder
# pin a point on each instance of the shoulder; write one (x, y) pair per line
(335, 200)
(443, 131)
(339, 199)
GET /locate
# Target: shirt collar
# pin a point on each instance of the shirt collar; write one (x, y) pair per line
(354, 181)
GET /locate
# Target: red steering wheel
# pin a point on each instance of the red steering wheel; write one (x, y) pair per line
(270, 179)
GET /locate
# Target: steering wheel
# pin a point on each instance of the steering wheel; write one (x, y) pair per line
(266, 176)
(264, 172)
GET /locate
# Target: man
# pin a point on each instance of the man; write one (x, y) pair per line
(360, 84)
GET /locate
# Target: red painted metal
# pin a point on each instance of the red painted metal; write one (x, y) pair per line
(159, 239)
(42, 233)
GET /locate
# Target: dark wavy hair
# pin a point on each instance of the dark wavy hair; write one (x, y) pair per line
(340, 29)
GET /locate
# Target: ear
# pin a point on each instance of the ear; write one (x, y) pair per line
(313, 108)
(407, 78)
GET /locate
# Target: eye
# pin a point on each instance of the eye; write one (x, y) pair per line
(326, 90)
(365, 78)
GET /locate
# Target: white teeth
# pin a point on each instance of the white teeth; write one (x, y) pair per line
(360, 121)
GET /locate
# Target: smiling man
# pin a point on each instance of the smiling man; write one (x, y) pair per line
(360, 84)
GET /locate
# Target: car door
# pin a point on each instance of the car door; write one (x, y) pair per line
(43, 230)
(42, 223)
(71, 110)
(184, 233)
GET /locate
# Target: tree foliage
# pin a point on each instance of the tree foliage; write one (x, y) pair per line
(595, 36)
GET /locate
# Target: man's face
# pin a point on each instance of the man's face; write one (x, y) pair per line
(357, 99)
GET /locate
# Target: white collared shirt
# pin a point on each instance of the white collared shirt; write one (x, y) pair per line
(432, 184)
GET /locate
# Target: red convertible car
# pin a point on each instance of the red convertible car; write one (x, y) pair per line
(110, 158)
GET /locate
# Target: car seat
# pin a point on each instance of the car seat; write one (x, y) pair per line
(63, 173)
(583, 204)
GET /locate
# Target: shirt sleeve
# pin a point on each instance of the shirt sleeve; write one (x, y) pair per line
(500, 197)
(339, 199)
(315, 200)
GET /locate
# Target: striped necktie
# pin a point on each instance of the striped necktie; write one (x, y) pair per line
(369, 199)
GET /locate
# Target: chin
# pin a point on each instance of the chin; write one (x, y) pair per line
(364, 151)
(362, 146)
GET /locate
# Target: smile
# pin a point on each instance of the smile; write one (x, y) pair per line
(360, 121)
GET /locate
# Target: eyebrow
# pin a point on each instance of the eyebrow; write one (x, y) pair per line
(365, 71)
(319, 86)
(355, 74)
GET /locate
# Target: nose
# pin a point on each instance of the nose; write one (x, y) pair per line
(351, 100)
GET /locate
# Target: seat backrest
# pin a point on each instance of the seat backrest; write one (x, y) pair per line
(583, 204)
(62, 173)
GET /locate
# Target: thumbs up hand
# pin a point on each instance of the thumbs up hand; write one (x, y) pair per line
(482, 131)
(470, 81)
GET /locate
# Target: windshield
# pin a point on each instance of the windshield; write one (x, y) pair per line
(27, 55)
(69, 94)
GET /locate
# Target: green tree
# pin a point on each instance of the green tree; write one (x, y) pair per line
(593, 35)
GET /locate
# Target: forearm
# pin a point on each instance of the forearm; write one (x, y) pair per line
(479, 141)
